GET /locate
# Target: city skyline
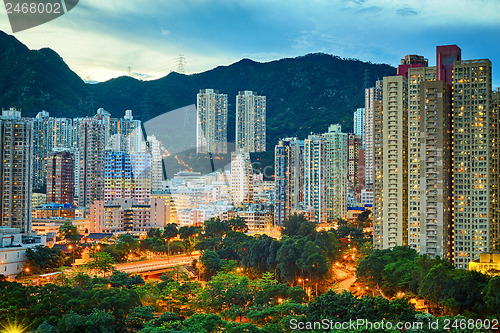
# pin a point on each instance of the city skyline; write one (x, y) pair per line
(372, 31)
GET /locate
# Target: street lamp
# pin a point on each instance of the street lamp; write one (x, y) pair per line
(72, 254)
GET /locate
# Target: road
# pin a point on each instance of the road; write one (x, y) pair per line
(156, 264)
(345, 276)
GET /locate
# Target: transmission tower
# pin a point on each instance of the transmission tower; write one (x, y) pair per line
(181, 64)
(129, 71)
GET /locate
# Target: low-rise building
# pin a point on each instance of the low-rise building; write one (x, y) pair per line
(13, 247)
(126, 215)
(486, 262)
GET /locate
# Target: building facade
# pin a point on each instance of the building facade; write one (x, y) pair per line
(314, 176)
(336, 173)
(60, 173)
(16, 136)
(394, 224)
(211, 130)
(289, 177)
(372, 95)
(241, 178)
(91, 143)
(250, 122)
(475, 162)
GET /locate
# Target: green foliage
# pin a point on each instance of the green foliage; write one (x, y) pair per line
(171, 230)
(204, 323)
(345, 306)
(119, 279)
(96, 322)
(450, 291)
(92, 307)
(238, 224)
(214, 227)
(138, 316)
(43, 259)
(211, 263)
(346, 231)
(69, 233)
(127, 243)
(297, 225)
(101, 262)
(492, 297)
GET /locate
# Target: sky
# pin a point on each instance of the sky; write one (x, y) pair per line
(100, 40)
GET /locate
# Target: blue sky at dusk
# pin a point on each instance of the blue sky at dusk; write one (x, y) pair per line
(101, 39)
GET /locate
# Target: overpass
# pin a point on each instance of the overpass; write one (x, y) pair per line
(156, 267)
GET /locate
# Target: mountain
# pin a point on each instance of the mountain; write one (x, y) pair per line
(304, 94)
(37, 79)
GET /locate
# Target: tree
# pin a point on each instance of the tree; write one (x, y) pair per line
(96, 322)
(287, 256)
(363, 219)
(211, 263)
(69, 233)
(42, 259)
(102, 262)
(154, 233)
(170, 232)
(298, 225)
(238, 224)
(138, 316)
(127, 243)
(492, 297)
(204, 323)
(215, 227)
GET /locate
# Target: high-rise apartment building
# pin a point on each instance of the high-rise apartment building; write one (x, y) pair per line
(91, 143)
(378, 180)
(372, 95)
(336, 173)
(393, 230)
(42, 145)
(118, 181)
(431, 234)
(416, 76)
(211, 129)
(250, 122)
(16, 135)
(475, 162)
(48, 133)
(446, 55)
(411, 61)
(359, 120)
(127, 175)
(289, 177)
(60, 174)
(314, 176)
(241, 178)
(141, 164)
(131, 130)
(154, 148)
(353, 150)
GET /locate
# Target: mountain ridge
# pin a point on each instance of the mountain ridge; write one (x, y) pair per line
(304, 94)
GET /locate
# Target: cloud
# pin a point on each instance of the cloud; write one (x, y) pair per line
(406, 11)
(103, 39)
